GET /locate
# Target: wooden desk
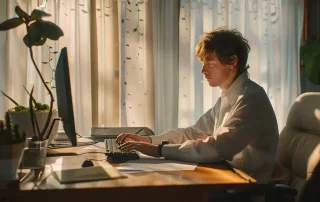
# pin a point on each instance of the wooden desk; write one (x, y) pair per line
(175, 186)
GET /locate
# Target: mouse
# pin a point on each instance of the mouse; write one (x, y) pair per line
(87, 163)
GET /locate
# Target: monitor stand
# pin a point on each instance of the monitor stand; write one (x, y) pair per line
(62, 141)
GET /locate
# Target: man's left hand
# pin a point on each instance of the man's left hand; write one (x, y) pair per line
(143, 147)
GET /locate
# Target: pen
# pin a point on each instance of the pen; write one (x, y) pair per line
(236, 172)
(138, 131)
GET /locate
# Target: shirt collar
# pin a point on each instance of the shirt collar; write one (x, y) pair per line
(234, 90)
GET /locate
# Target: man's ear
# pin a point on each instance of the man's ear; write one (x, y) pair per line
(233, 62)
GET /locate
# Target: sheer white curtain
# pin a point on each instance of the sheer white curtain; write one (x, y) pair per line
(273, 28)
(109, 45)
(16, 66)
(72, 16)
(166, 55)
(137, 69)
(132, 63)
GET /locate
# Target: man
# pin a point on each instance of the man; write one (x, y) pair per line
(241, 128)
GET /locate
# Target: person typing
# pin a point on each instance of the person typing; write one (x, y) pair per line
(241, 128)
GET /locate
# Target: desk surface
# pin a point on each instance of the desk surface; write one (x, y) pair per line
(149, 186)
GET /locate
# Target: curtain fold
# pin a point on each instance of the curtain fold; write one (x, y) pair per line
(273, 29)
(165, 16)
(108, 64)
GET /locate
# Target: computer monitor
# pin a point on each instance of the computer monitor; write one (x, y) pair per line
(64, 96)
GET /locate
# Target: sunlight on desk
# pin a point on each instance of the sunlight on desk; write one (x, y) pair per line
(151, 164)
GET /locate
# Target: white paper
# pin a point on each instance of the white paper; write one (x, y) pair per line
(67, 162)
(150, 164)
(99, 145)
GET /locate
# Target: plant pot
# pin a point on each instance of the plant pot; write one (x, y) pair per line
(24, 122)
(10, 159)
(35, 154)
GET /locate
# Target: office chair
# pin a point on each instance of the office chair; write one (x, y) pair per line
(299, 143)
(298, 153)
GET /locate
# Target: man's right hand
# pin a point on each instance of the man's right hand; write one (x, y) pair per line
(124, 137)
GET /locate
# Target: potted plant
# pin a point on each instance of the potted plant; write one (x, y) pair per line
(38, 31)
(310, 55)
(12, 144)
(20, 115)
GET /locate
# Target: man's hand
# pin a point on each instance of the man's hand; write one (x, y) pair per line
(124, 137)
(143, 147)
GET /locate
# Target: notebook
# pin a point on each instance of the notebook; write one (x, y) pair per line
(67, 169)
(86, 174)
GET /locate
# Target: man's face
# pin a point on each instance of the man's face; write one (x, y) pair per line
(215, 72)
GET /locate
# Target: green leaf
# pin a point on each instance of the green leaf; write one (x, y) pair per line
(35, 32)
(38, 14)
(50, 30)
(313, 69)
(29, 43)
(26, 40)
(10, 24)
(309, 49)
(40, 42)
(38, 106)
(12, 100)
(21, 13)
(45, 107)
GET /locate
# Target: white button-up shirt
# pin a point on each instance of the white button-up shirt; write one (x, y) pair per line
(241, 128)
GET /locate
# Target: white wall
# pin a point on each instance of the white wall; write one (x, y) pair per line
(3, 16)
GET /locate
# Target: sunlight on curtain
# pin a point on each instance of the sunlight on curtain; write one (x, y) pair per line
(107, 81)
(273, 28)
(73, 17)
(137, 71)
(16, 68)
(95, 57)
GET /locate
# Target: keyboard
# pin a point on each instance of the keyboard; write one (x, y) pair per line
(115, 154)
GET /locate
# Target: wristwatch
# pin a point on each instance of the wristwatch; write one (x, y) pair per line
(164, 142)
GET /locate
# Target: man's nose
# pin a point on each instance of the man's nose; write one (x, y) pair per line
(202, 69)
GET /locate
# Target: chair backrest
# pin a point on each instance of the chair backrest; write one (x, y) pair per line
(299, 143)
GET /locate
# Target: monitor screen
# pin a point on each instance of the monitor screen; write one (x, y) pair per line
(64, 96)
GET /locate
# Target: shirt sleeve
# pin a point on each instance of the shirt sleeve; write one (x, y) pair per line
(231, 138)
(180, 135)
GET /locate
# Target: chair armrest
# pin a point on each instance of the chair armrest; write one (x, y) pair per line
(283, 189)
(266, 189)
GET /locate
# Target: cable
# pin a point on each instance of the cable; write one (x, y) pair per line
(78, 134)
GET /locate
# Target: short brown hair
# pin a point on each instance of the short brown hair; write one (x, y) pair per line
(225, 43)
